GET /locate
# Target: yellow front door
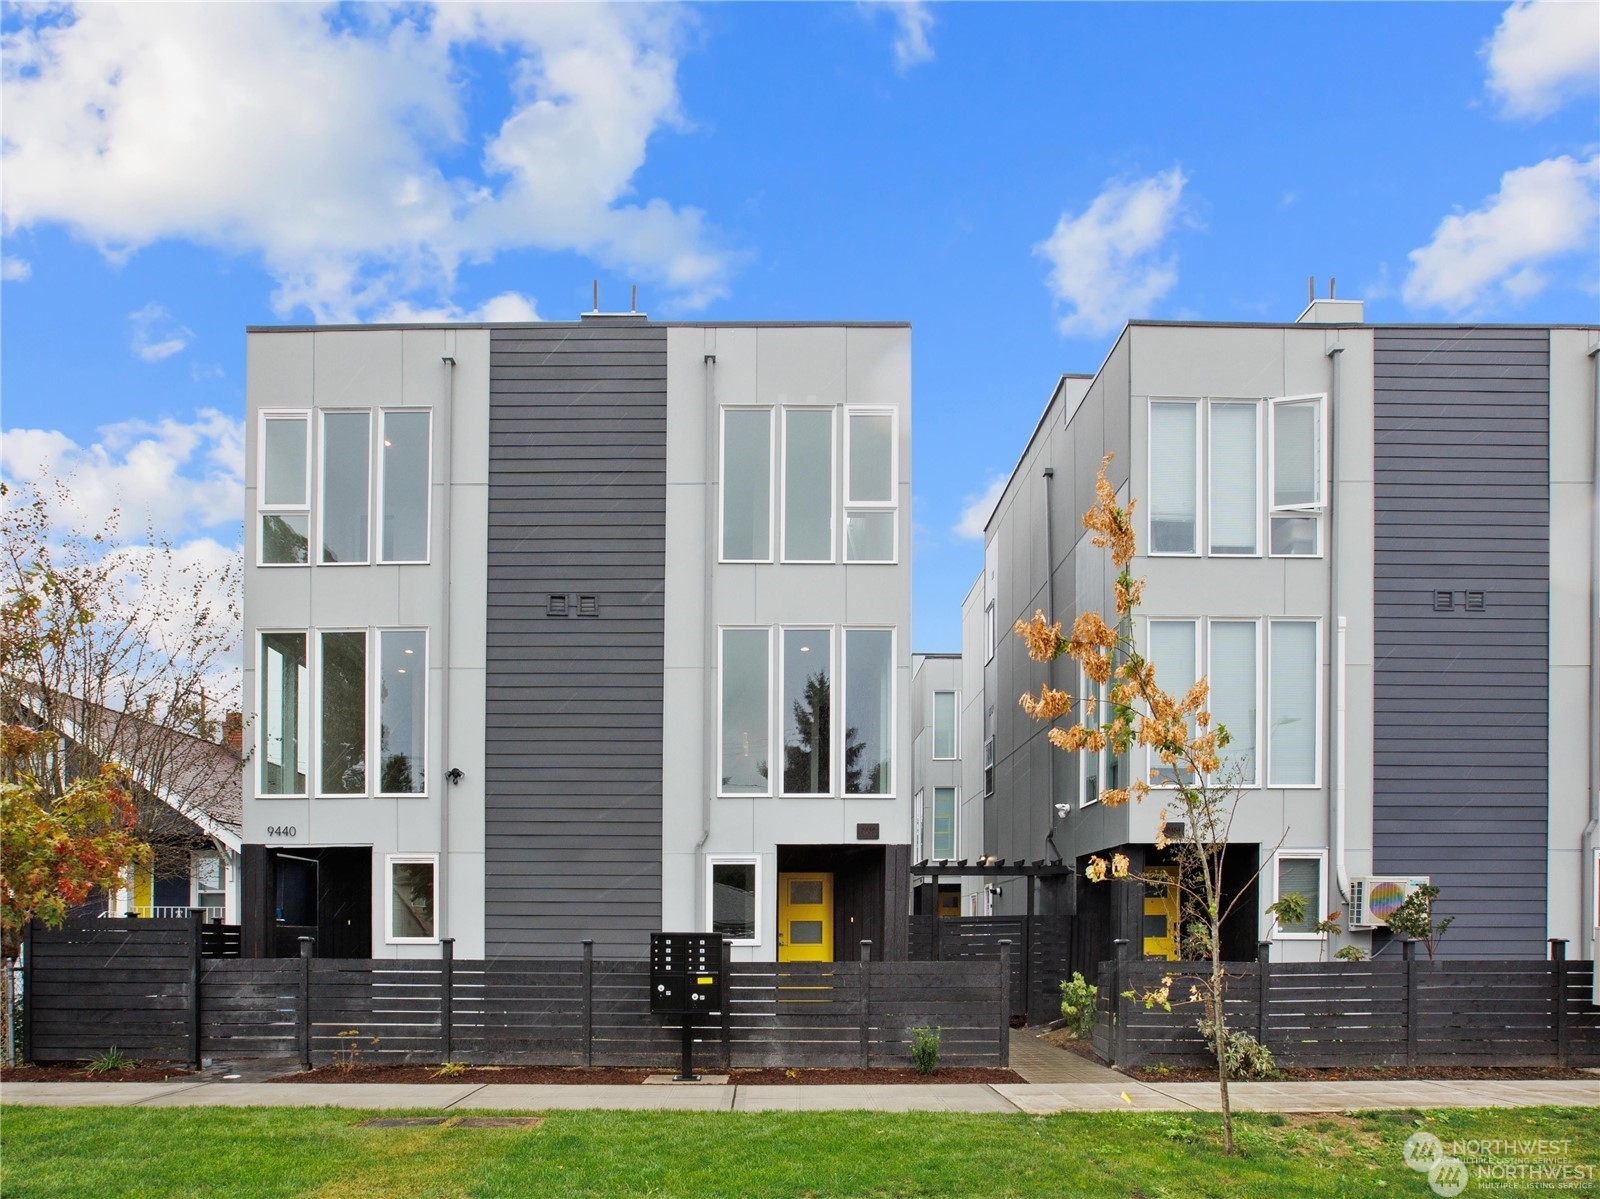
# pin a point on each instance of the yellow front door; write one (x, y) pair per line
(805, 917)
(1161, 913)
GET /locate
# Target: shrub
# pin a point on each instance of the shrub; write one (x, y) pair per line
(1351, 953)
(451, 1070)
(1077, 1004)
(1244, 1056)
(925, 1049)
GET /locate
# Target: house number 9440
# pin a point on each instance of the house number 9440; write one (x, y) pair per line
(281, 830)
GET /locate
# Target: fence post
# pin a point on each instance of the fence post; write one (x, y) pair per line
(727, 1004)
(588, 1003)
(1409, 951)
(938, 930)
(196, 919)
(447, 1004)
(1119, 949)
(1264, 976)
(866, 1002)
(305, 1002)
(1005, 1003)
(1558, 959)
(27, 993)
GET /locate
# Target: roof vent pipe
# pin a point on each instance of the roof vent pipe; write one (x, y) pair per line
(596, 307)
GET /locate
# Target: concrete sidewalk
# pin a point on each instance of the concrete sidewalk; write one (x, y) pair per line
(1031, 1098)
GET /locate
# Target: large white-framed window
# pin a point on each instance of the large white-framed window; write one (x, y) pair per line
(869, 711)
(402, 709)
(404, 477)
(1297, 482)
(1303, 874)
(745, 723)
(944, 823)
(944, 725)
(1233, 671)
(809, 485)
(1174, 477)
(1294, 694)
(411, 892)
(1174, 650)
(733, 897)
(871, 485)
(806, 718)
(1234, 486)
(746, 470)
(344, 515)
(283, 488)
(342, 712)
(1094, 767)
(988, 767)
(283, 721)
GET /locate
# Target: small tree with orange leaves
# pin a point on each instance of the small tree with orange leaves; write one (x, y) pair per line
(1177, 731)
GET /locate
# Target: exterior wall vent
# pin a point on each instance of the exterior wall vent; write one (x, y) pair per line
(557, 606)
(588, 605)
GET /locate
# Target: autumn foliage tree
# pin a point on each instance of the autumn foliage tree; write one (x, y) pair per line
(1178, 733)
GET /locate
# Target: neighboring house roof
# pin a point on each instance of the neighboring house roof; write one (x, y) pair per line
(196, 778)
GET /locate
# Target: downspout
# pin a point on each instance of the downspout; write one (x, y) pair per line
(1336, 665)
(1050, 667)
(441, 906)
(712, 736)
(1586, 918)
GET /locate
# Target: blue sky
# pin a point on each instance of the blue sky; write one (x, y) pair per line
(1015, 180)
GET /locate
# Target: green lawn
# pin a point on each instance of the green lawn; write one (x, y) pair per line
(247, 1152)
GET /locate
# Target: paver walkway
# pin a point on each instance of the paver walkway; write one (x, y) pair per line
(1040, 1061)
(1033, 1098)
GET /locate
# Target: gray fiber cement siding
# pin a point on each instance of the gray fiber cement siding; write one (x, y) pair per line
(1461, 698)
(577, 507)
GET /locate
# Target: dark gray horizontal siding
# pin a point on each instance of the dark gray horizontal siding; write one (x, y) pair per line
(1461, 699)
(577, 506)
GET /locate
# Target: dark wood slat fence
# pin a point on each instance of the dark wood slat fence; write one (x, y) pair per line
(1044, 950)
(1383, 1013)
(573, 1011)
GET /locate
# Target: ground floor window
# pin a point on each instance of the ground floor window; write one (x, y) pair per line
(732, 899)
(412, 886)
(1301, 876)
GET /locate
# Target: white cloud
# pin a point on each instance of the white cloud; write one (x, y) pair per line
(316, 137)
(912, 22)
(1542, 55)
(175, 477)
(975, 516)
(14, 270)
(156, 335)
(508, 306)
(1104, 263)
(1501, 250)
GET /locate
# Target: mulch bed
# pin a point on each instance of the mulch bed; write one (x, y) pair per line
(143, 1072)
(1370, 1074)
(1155, 1073)
(616, 1075)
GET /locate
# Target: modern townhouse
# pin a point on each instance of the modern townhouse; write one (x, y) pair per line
(1378, 543)
(577, 631)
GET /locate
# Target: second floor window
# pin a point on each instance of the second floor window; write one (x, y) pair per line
(808, 484)
(346, 492)
(284, 485)
(944, 724)
(807, 712)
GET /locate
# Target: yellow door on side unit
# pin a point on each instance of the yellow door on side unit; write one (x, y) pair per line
(805, 917)
(1161, 913)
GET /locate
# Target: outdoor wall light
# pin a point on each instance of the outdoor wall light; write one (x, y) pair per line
(454, 774)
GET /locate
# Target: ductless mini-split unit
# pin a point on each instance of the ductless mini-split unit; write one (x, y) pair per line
(1374, 899)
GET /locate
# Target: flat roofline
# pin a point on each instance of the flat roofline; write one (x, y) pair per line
(1361, 324)
(644, 324)
(917, 653)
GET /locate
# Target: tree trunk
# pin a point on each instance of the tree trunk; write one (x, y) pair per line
(1220, 1028)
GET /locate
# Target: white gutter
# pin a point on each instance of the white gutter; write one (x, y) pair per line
(1591, 844)
(441, 892)
(1336, 663)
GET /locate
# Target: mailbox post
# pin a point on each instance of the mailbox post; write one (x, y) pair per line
(686, 981)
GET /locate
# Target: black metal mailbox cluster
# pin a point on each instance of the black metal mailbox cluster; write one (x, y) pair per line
(685, 974)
